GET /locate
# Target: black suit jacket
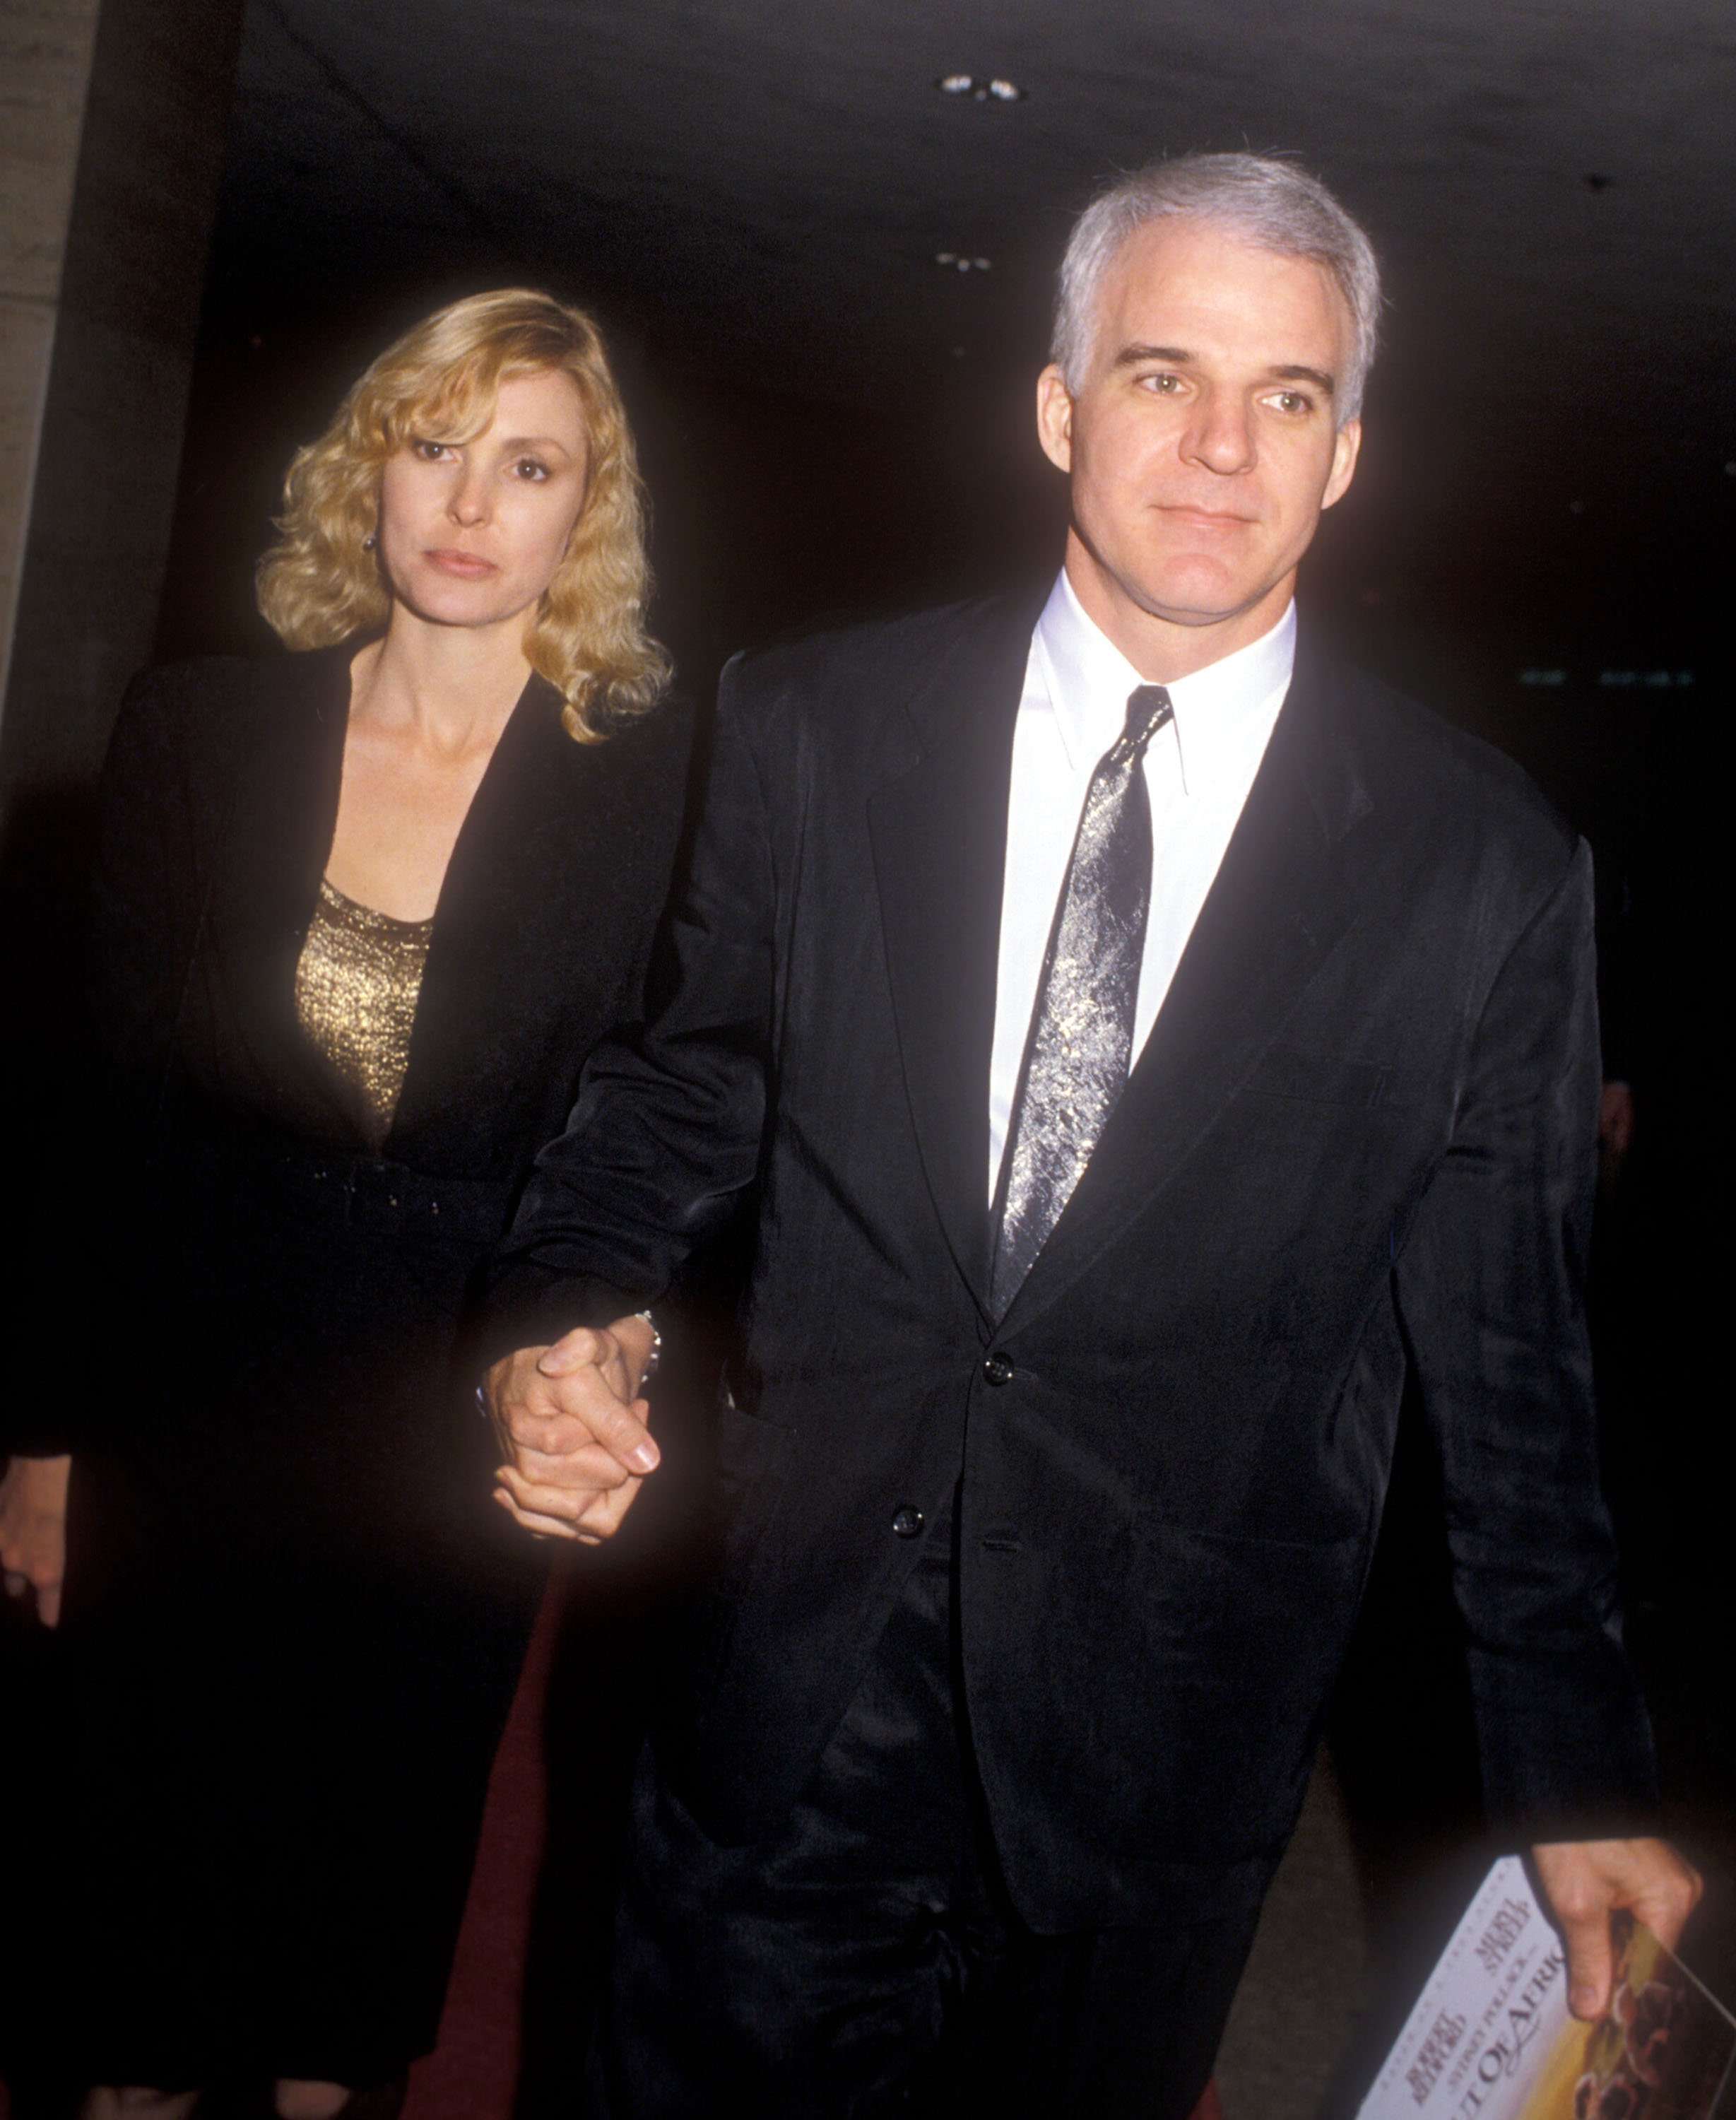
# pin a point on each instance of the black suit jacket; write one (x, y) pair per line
(274, 1275)
(1360, 1137)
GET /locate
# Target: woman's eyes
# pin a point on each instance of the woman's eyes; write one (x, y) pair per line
(531, 469)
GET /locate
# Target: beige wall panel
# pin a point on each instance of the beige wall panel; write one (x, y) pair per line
(99, 530)
(126, 310)
(26, 346)
(44, 70)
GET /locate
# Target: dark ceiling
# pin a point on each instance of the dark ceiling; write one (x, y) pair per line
(755, 192)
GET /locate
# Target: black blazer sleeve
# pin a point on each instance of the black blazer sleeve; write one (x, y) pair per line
(666, 1131)
(134, 946)
(147, 891)
(1490, 1288)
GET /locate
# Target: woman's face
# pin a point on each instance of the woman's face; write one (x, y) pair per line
(471, 533)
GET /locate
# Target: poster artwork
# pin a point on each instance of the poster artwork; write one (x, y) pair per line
(1492, 2038)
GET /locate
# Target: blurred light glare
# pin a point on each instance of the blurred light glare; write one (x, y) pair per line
(998, 89)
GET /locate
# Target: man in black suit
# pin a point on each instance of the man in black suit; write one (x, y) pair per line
(1149, 1039)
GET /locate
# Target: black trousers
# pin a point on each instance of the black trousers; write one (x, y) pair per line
(868, 1960)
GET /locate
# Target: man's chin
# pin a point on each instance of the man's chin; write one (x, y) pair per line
(1196, 607)
(1195, 591)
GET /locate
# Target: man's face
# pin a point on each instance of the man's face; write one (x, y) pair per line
(1203, 442)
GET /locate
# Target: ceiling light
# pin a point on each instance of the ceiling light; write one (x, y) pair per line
(959, 263)
(997, 89)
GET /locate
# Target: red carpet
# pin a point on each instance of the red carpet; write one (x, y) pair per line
(473, 2072)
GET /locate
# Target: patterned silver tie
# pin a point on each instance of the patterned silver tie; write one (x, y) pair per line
(1075, 1063)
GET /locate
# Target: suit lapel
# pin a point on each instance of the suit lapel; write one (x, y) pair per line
(274, 848)
(511, 865)
(938, 832)
(1275, 910)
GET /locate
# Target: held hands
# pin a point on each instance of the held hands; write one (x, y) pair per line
(1586, 1880)
(32, 1531)
(572, 1431)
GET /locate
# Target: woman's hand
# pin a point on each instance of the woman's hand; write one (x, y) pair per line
(572, 1431)
(32, 1531)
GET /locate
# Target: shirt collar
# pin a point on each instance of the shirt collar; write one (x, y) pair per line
(1220, 711)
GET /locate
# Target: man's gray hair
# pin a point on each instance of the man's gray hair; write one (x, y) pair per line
(1272, 203)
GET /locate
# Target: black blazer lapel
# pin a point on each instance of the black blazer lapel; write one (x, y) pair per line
(511, 874)
(273, 850)
(1274, 913)
(938, 832)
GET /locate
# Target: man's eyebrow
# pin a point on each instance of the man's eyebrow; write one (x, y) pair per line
(1130, 357)
(1295, 374)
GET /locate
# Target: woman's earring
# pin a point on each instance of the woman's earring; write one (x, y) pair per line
(369, 542)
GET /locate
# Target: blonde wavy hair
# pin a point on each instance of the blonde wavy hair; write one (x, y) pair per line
(320, 584)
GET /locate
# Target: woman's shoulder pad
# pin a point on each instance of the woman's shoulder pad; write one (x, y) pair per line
(659, 738)
(204, 685)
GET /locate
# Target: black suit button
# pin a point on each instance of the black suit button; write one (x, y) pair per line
(906, 1520)
(997, 1369)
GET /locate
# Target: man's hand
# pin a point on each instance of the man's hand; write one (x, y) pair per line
(32, 1531)
(1586, 1880)
(571, 1431)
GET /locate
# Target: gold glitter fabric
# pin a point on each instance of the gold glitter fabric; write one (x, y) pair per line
(355, 995)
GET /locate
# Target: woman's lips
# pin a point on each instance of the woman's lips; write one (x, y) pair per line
(467, 566)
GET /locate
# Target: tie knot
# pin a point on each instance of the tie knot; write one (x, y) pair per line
(1148, 708)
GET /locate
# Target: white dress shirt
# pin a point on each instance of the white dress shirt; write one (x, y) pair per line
(1199, 768)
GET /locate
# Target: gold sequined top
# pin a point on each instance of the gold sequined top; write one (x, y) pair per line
(356, 986)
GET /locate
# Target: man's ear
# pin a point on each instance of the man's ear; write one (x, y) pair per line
(1347, 446)
(1055, 417)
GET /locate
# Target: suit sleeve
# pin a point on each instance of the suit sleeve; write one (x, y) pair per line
(94, 1133)
(665, 1133)
(1490, 1292)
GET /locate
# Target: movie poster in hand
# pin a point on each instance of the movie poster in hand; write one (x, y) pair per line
(1492, 2038)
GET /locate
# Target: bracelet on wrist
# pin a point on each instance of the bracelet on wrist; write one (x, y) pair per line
(656, 1355)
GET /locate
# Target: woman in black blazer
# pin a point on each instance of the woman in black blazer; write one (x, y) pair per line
(361, 912)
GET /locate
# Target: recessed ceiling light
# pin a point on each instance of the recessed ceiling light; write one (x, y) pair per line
(984, 89)
(958, 263)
